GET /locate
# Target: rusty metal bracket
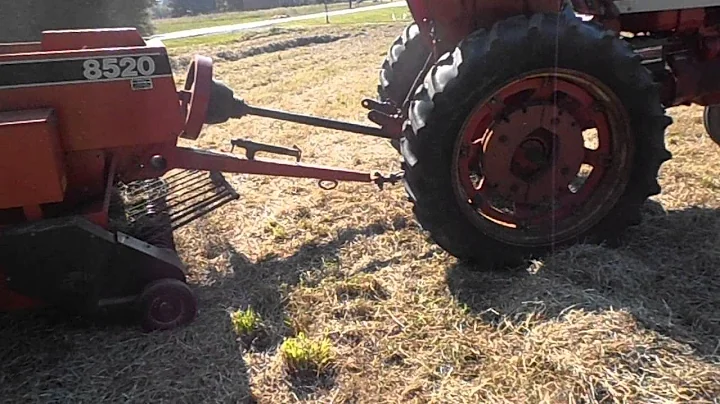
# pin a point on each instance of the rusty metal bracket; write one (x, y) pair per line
(380, 180)
(251, 148)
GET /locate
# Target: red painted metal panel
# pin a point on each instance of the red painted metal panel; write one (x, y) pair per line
(10, 301)
(456, 19)
(105, 111)
(91, 39)
(31, 163)
(20, 47)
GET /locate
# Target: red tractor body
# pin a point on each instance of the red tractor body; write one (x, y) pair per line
(540, 123)
(685, 33)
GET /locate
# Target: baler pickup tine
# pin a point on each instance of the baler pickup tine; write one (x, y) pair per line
(189, 195)
(201, 209)
(181, 173)
(180, 176)
(189, 180)
(193, 179)
(192, 195)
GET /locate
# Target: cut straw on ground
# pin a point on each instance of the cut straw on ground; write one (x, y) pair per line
(407, 323)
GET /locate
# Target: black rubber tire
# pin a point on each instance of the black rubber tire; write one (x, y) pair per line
(711, 119)
(171, 291)
(476, 68)
(404, 62)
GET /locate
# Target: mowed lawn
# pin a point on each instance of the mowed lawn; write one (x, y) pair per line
(407, 323)
(166, 25)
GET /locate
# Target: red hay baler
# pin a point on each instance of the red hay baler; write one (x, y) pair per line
(92, 180)
(523, 126)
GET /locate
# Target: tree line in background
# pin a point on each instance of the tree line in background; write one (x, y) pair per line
(24, 20)
(179, 8)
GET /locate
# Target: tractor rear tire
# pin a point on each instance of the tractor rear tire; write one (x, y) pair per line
(466, 80)
(404, 62)
(711, 119)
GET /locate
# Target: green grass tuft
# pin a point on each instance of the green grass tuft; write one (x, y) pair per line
(245, 321)
(303, 355)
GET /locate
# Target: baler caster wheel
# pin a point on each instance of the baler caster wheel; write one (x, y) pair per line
(711, 119)
(166, 304)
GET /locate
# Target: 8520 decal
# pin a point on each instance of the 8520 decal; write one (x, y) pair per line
(113, 68)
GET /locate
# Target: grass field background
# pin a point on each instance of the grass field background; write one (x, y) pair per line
(166, 25)
(406, 322)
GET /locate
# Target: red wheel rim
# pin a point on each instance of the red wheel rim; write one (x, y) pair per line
(543, 159)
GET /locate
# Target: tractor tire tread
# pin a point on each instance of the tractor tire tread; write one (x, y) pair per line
(404, 61)
(460, 74)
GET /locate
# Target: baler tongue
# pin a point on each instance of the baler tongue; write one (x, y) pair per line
(225, 105)
(153, 207)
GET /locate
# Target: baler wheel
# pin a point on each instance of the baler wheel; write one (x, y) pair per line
(496, 151)
(166, 304)
(402, 65)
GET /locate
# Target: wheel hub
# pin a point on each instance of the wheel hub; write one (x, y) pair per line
(524, 162)
(166, 309)
(533, 153)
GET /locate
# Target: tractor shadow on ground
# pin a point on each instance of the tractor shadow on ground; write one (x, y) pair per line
(52, 357)
(666, 273)
(262, 285)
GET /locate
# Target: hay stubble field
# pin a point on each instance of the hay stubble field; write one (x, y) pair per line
(640, 323)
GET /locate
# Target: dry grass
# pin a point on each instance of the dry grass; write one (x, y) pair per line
(636, 324)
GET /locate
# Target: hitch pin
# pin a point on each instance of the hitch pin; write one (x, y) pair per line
(380, 180)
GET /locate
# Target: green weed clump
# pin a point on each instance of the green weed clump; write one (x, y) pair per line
(245, 322)
(304, 356)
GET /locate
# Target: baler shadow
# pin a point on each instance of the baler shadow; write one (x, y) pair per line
(49, 357)
(262, 286)
(666, 275)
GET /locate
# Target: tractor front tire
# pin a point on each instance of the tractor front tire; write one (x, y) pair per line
(402, 65)
(474, 104)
